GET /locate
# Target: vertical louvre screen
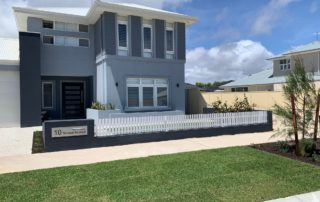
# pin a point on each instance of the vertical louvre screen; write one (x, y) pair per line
(169, 36)
(122, 32)
(147, 38)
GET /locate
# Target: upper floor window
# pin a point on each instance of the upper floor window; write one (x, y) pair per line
(122, 38)
(285, 64)
(63, 26)
(66, 41)
(47, 24)
(169, 42)
(147, 41)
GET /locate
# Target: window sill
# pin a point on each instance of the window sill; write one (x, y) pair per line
(147, 109)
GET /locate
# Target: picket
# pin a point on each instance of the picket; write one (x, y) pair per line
(138, 125)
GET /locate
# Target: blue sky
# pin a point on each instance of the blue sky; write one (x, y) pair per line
(232, 20)
(232, 38)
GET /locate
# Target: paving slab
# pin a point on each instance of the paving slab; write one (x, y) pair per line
(26, 162)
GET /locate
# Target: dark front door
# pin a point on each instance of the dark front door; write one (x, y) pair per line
(73, 100)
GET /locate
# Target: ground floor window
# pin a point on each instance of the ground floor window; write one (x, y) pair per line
(47, 95)
(147, 93)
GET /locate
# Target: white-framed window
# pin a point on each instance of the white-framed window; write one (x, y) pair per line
(169, 41)
(147, 93)
(285, 64)
(147, 40)
(48, 39)
(47, 24)
(66, 41)
(123, 38)
(47, 94)
(64, 26)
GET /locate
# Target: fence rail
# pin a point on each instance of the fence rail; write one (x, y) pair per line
(138, 125)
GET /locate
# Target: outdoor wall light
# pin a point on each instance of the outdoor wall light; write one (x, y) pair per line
(178, 85)
(117, 84)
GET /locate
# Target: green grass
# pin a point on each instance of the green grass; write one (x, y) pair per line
(231, 174)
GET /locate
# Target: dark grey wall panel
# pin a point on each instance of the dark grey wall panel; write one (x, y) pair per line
(67, 143)
(135, 24)
(109, 39)
(30, 80)
(97, 37)
(159, 38)
(180, 38)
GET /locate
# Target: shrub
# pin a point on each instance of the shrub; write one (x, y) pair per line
(238, 106)
(283, 146)
(309, 146)
(315, 157)
(99, 106)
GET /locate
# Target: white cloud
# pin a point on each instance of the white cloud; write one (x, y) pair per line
(313, 7)
(269, 16)
(226, 62)
(7, 21)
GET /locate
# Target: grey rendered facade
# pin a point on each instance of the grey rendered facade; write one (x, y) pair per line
(97, 70)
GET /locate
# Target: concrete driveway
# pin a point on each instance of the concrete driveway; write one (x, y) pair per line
(16, 141)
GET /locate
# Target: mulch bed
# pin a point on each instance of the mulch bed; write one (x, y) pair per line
(274, 149)
(37, 143)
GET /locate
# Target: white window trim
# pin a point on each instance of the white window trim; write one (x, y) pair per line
(52, 94)
(285, 66)
(121, 22)
(147, 26)
(173, 41)
(140, 87)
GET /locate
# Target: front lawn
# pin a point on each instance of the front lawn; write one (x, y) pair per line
(231, 174)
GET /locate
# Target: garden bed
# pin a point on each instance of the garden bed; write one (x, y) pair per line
(37, 142)
(276, 148)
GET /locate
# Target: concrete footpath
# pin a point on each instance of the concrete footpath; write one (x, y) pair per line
(18, 163)
(308, 197)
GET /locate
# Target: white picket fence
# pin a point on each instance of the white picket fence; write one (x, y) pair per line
(138, 125)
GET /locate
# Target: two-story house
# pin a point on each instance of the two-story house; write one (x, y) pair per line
(125, 54)
(273, 79)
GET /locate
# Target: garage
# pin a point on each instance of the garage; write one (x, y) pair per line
(10, 98)
(9, 83)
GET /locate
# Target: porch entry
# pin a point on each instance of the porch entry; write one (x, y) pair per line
(73, 100)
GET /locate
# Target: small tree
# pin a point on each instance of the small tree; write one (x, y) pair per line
(299, 92)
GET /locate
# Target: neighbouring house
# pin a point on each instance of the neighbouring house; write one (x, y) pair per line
(273, 79)
(128, 55)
